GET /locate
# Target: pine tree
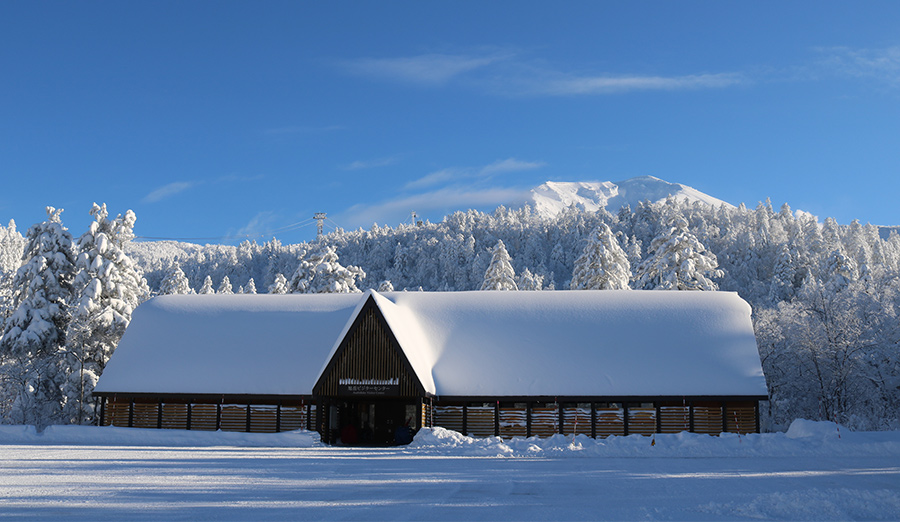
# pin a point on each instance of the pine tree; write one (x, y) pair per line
(677, 261)
(12, 246)
(320, 272)
(280, 286)
(385, 286)
(529, 281)
(251, 287)
(32, 345)
(603, 265)
(225, 286)
(110, 286)
(175, 282)
(207, 287)
(500, 274)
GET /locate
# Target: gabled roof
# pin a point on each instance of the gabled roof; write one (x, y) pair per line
(560, 343)
(227, 344)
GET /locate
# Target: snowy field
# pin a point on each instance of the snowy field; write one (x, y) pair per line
(813, 472)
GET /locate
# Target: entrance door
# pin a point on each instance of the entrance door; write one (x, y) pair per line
(376, 423)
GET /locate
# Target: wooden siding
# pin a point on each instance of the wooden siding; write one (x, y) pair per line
(256, 418)
(368, 354)
(600, 419)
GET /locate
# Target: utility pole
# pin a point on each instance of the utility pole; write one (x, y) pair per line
(320, 218)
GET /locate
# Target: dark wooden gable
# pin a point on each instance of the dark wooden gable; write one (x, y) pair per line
(369, 362)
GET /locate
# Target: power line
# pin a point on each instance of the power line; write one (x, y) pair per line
(287, 228)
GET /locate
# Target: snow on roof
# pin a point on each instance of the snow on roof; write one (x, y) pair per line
(588, 343)
(241, 344)
(560, 343)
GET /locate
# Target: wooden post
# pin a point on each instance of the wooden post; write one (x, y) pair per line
(102, 410)
(497, 419)
(658, 418)
(625, 418)
(756, 414)
(559, 413)
(218, 416)
(189, 415)
(593, 420)
(278, 418)
(159, 413)
(528, 406)
(724, 417)
(248, 419)
(691, 415)
(465, 419)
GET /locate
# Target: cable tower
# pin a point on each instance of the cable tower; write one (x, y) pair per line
(320, 220)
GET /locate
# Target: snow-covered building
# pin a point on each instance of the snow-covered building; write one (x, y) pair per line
(361, 367)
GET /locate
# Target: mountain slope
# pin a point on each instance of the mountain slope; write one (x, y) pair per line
(552, 197)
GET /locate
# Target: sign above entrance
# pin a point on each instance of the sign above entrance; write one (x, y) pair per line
(377, 387)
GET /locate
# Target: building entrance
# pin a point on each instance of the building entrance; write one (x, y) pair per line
(374, 423)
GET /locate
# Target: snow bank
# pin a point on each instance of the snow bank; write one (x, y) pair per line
(113, 436)
(804, 438)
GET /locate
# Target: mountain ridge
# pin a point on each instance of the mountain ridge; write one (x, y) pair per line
(551, 197)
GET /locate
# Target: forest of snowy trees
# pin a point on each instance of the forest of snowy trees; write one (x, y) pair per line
(825, 296)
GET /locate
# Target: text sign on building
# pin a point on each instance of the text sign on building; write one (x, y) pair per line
(369, 389)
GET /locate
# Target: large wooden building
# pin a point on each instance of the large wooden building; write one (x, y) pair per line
(372, 368)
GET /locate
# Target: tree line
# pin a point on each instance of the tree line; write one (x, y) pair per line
(824, 295)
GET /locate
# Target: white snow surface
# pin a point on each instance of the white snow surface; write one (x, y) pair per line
(550, 198)
(815, 471)
(600, 343)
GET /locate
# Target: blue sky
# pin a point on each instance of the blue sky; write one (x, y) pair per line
(221, 119)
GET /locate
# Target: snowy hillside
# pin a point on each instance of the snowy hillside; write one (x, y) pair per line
(551, 197)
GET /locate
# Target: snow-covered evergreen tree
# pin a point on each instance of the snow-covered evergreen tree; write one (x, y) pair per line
(175, 282)
(320, 272)
(500, 274)
(32, 345)
(225, 286)
(385, 286)
(529, 281)
(603, 265)
(109, 287)
(207, 287)
(251, 287)
(12, 245)
(280, 286)
(678, 261)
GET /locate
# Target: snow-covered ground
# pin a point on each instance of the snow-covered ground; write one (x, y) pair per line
(812, 472)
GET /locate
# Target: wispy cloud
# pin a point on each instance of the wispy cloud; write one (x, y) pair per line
(469, 173)
(371, 164)
(507, 73)
(567, 85)
(444, 199)
(177, 187)
(881, 65)
(167, 191)
(258, 225)
(429, 69)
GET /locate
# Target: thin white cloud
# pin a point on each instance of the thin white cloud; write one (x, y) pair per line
(427, 69)
(510, 165)
(370, 164)
(167, 191)
(598, 85)
(445, 199)
(882, 65)
(468, 173)
(504, 73)
(258, 225)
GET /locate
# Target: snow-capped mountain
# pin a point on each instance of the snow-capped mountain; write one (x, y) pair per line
(551, 197)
